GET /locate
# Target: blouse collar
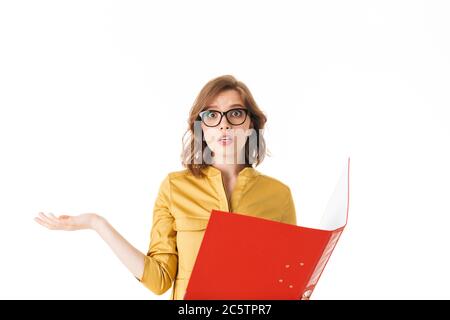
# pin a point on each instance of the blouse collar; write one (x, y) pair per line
(211, 171)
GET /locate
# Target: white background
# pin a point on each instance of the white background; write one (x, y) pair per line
(94, 99)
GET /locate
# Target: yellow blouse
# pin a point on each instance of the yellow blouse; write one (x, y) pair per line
(181, 213)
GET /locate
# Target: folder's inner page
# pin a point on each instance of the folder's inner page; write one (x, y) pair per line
(335, 214)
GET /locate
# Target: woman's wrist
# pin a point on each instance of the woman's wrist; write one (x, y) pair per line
(96, 222)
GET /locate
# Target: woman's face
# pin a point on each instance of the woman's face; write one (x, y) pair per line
(227, 139)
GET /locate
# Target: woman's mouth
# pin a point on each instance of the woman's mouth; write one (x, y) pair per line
(225, 140)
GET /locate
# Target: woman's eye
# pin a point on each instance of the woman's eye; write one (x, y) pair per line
(211, 115)
(236, 113)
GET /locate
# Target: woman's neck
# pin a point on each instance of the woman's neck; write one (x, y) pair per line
(229, 170)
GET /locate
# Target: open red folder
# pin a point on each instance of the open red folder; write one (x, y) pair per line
(275, 261)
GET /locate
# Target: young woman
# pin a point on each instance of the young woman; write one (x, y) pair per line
(222, 145)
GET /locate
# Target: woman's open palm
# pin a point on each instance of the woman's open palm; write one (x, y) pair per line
(66, 222)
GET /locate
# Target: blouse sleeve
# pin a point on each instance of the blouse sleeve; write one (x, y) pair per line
(161, 261)
(289, 215)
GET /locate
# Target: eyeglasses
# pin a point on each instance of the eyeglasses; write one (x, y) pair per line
(212, 118)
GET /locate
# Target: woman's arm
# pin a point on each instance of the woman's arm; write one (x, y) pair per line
(132, 258)
(158, 268)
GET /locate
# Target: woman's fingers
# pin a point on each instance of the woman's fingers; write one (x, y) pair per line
(51, 215)
(43, 223)
(51, 221)
(46, 219)
(52, 218)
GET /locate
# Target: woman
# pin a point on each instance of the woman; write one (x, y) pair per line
(222, 144)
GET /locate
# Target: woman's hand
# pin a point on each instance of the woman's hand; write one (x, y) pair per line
(66, 222)
(132, 258)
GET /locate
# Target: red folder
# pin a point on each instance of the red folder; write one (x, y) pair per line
(248, 258)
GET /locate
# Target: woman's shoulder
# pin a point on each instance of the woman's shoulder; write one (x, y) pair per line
(177, 174)
(272, 182)
(172, 177)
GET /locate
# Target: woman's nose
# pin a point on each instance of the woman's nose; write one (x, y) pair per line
(224, 123)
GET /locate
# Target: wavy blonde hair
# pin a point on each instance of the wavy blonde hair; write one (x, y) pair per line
(189, 154)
